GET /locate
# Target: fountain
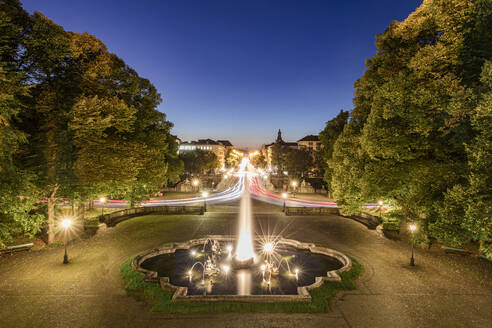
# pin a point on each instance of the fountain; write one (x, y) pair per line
(272, 274)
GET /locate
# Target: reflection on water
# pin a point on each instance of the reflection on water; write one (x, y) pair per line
(243, 282)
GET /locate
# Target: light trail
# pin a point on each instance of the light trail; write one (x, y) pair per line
(258, 191)
(231, 193)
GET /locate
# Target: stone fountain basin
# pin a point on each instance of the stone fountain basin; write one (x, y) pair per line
(182, 293)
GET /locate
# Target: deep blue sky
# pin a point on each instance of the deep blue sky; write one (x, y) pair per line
(239, 70)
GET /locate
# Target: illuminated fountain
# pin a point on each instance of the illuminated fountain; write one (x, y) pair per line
(245, 254)
(281, 269)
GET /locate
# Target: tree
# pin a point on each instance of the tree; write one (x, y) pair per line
(413, 117)
(91, 122)
(328, 137)
(18, 200)
(198, 161)
(232, 158)
(279, 156)
(259, 160)
(298, 162)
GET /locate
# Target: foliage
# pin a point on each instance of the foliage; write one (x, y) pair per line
(259, 161)
(232, 158)
(419, 132)
(299, 162)
(328, 137)
(76, 121)
(19, 197)
(199, 161)
(162, 302)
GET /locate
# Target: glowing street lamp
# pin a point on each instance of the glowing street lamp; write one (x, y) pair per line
(66, 223)
(195, 184)
(102, 201)
(284, 196)
(412, 227)
(294, 185)
(204, 195)
(268, 247)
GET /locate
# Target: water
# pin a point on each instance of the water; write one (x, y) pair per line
(242, 281)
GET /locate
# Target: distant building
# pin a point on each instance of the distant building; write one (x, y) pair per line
(219, 147)
(226, 143)
(310, 142)
(267, 149)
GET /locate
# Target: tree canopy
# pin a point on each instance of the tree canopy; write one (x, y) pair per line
(77, 122)
(416, 135)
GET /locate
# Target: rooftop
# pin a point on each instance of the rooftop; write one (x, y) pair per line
(309, 138)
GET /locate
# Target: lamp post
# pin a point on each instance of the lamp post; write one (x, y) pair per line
(204, 195)
(294, 185)
(66, 224)
(380, 203)
(102, 201)
(195, 183)
(413, 227)
(284, 196)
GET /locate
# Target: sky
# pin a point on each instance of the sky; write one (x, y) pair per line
(239, 69)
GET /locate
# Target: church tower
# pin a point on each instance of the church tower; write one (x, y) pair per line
(279, 137)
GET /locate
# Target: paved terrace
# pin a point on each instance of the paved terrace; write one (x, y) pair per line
(37, 290)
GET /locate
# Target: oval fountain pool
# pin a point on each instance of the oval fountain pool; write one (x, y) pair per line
(205, 269)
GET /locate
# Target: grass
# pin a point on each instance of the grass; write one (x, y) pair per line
(162, 302)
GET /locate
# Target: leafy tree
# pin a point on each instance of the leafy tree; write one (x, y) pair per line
(414, 115)
(91, 122)
(259, 161)
(298, 162)
(18, 200)
(198, 161)
(328, 137)
(279, 156)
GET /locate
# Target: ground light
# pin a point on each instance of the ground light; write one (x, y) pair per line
(204, 195)
(412, 227)
(66, 223)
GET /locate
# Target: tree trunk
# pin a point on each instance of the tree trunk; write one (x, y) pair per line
(51, 215)
(81, 212)
(91, 204)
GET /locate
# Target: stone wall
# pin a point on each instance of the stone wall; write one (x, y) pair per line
(114, 218)
(311, 210)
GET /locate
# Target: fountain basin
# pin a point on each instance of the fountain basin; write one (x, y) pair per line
(169, 266)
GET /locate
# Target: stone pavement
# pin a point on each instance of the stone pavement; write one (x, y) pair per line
(37, 290)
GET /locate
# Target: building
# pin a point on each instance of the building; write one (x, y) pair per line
(219, 148)
(267, 149)
(309, 142)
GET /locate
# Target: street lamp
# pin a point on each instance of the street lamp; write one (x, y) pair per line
(195, 183)
(284, 196)
(102, 201)
(204, 195)
(294, 185)
(380, 203)
(412, 227)
(66, 224)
